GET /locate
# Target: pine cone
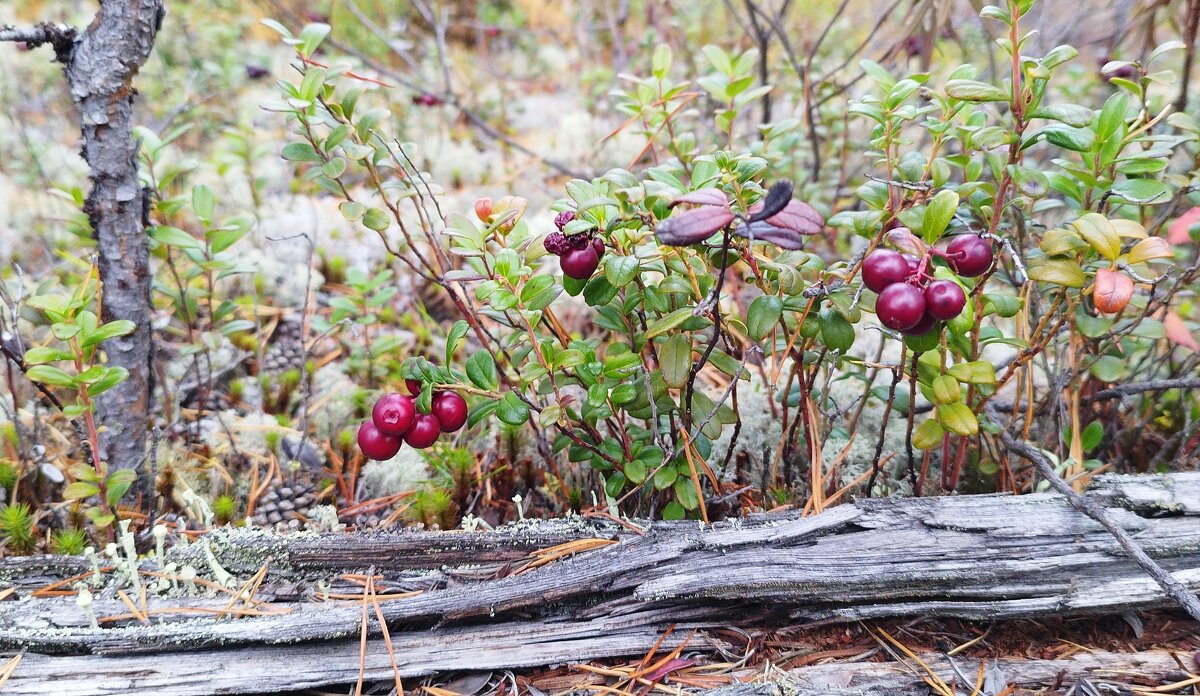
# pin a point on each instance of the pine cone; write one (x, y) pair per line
(285, 502)
(286, 349)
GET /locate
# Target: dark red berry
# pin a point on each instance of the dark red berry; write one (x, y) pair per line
(579, 264)
(883, 267)
(921, 327)
(414, 386)
(944, 299)
(375, 444)
(556, 243)
(913, 264)
(450, 409)
(424, 431)
(561, 220)
(969, 255)
(598, 245)
(393, 413)
(900, 306)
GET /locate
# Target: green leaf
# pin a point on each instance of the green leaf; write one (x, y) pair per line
(620, 270)
(1071, 114)
(975, 91)
(80, 490)
(763, 315)
(946, 390)
(113, 329)
(454, 337)
(635, 471)
(481, 370)
(1092, 435)
(482, 410)
(37, 356)
(928, 435)
(1100, 233)
(1075, 139)
(174, 237)
(512, 410)
(1058, 272)
(836, 332)
(938, 215)
(112, 377)
(376, 219)
(1109, 368)
(957, 418)
(47, 374)
(675, 360)
(300, 152)
(666, 323)
(311, 38)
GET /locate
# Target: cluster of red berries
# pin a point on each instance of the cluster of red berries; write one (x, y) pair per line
(910, 301)
(395, 420)
(578, 254)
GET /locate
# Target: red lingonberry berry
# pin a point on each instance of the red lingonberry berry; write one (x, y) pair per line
(883, 267)
(376, 445)
(561, 220)
(393, 414)
(970, 255)
(414, 386)
(922, 327)
(900, 306)
(944, 299)
(556, 243)
(450, 409)
(579, 264)
(424, 431)
(598, 245)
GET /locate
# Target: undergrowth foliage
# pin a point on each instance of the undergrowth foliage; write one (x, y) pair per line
(1028, 218)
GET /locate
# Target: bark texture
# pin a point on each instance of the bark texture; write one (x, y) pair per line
(100, 72)
(100, 65)
(513, 598)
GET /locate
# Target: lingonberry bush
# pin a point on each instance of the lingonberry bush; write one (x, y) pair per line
(1001, 262)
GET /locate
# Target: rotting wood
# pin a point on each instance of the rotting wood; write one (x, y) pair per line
(973, 557)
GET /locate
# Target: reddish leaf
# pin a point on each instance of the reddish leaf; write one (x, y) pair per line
(1112, 291)
(1178, 332)
(672, 665)
(708, 196)
(693, 226)
(798, 217)
(1178, 233)
(764, 231)
(905, 241)
(775, 201)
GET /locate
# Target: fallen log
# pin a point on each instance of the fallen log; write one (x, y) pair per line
(528, 601)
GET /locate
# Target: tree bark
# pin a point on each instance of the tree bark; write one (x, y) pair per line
(100, 72)
(100, 65)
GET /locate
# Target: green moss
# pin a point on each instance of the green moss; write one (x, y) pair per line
(69, 541)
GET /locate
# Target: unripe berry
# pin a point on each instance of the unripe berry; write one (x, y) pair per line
(393, 414)
(483, 209)
(900, 306)
(970, 255)
(450, 409)
(944, 299)
(376, 445)
(579, 264)
(883, 267)
(424, 431)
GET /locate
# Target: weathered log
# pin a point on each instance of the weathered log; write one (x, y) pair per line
(972, 557)
(1107, 672)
